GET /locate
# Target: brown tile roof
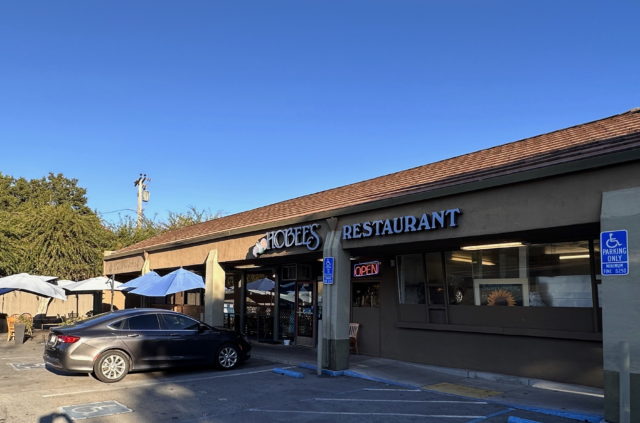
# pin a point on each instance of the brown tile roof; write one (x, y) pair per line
(570, 144)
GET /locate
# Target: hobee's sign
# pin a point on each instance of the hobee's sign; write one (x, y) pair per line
(404, 224)
(306, 235)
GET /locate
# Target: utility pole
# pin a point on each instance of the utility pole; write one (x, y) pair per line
(143, 195)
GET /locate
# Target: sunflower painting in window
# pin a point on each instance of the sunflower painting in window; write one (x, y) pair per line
(501, 295)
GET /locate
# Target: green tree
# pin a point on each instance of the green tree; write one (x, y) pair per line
(64, 242)
(125, 232)
(11, 248)
(188, 218)
(46, 227)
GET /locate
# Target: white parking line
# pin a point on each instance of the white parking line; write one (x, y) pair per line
(418, 401)
(348, 413)
(162, 382)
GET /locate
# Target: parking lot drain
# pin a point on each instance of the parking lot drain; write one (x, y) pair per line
(289, 373)
(94, 409)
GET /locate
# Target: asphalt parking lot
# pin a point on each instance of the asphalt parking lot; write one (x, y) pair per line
(252, 393)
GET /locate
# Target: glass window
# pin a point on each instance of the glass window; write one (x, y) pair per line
(117, 325)
(435, 278)
(535, 275)
(177, 322)
(459, 267)
(143, 322)
(287, 312)
(365, 294)
(560, 275)
(555, 274)
(289, 272)
(411, 279)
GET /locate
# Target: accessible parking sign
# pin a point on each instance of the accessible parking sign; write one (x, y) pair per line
(614, 253)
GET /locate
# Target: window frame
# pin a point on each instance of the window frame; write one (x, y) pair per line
(428, 309)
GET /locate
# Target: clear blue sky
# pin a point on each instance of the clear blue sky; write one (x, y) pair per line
(231, 105)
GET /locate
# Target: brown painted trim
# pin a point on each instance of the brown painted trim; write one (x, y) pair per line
(539, 173)
(538, 333)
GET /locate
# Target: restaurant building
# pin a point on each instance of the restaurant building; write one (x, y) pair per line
(488, 261)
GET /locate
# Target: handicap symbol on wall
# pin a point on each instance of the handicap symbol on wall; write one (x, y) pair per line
(612, 242)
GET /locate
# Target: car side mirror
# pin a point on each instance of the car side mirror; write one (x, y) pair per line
(202, 328)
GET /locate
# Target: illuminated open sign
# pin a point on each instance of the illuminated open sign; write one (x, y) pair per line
(370, 268)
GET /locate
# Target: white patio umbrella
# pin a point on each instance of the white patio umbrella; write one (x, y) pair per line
(34, 284)
(97, 284)
(100, 283)
(64, 282)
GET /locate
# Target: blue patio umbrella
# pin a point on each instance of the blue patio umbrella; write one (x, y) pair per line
(140, 281)
(264, 284)
(177, 281)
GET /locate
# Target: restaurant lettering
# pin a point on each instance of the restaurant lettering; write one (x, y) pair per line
(306, 235)
(399, 225)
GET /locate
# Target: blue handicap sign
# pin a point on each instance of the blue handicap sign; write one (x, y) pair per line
(614, 253)
(328, 270)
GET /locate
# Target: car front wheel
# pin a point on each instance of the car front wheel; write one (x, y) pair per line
(227, 357)
(111, 366)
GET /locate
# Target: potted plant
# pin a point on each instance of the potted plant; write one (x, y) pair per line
(23, 326)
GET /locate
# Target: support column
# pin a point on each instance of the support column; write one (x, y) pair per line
(214, 291)
(146, 266)
(621, 312)
(336, 304)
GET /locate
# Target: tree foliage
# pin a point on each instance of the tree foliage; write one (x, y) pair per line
(64, 242)
(47, 228)
(126, 232)
(188, 218)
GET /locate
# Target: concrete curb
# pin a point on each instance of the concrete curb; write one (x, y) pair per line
(326, 372)
(289, 373)
(513, 419)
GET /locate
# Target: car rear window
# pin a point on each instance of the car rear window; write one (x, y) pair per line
(143, 322)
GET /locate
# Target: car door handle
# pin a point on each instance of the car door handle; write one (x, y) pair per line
(175, 334)
(133, 335)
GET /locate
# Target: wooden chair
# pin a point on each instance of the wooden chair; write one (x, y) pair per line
(11, 326)
(353, 337)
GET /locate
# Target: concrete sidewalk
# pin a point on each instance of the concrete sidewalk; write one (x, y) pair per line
(578, 402)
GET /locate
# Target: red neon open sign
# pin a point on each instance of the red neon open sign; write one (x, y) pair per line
(370, 268)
